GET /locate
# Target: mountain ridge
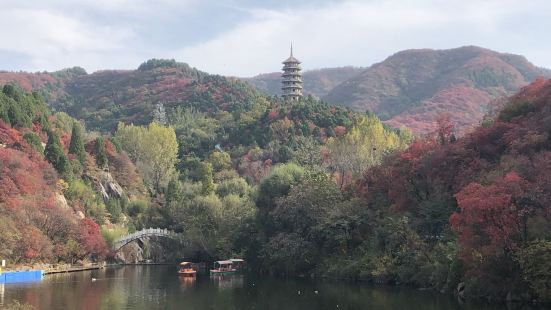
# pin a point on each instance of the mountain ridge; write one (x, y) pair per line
(105, 97)
(411, 87)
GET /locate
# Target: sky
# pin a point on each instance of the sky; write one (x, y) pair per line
(247, 37)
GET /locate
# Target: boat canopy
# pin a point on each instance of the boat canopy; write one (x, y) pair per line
(224, 262)
(237, 260)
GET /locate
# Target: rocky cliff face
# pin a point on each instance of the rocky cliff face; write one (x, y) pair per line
(108, 187)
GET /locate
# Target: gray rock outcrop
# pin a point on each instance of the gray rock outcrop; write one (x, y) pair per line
(149, 250)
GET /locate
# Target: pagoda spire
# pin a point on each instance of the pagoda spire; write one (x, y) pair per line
(291, 78)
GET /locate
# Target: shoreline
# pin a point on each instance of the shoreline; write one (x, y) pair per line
(104, 265)
(74, 268)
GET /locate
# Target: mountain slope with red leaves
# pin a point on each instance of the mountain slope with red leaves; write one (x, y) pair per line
(411, 88)
(104, 98)
(487, 191)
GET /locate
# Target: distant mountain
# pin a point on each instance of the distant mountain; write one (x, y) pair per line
(316, 82)
(104, 98)
(411, 88)
(546, 72)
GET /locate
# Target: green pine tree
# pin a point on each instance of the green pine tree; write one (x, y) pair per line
(55, 155)
(101, 156)
(77, 144)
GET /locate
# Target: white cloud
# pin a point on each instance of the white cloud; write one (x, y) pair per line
(52, 40)
(237, 38)
(94, 34)
(364, 32)
(106, 6)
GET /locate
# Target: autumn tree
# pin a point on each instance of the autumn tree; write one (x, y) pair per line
(491, 218)
(363, 146)
(445, 128)
(73, 251)
(220, 161)
(131, 139)
(126, 174)
(153, 148)
(92, 239)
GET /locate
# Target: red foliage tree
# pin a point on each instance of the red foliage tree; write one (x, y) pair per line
(91, 238)
(273, 115)
(10, 137)
(34, 245)
(24, 178)
(398, 177)
(444, 128)
(491, 218)
(340, 131)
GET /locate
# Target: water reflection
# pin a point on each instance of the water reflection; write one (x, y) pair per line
(1, 294)
(226, 282)
(187, 282)
(160, 287)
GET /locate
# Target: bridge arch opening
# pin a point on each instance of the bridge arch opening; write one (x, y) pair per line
(148, 232)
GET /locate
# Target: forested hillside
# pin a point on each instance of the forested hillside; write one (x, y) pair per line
(411, 88)
(195, 168)
(104, 98)
(297, 188)
(58, 184)
(469, 216)
(475, 210)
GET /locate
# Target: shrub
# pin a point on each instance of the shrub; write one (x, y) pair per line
(137, 207)
(34, 141)
(113, 233)
(515, 109)
(535, 262)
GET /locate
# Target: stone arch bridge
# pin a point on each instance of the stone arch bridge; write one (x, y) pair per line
(148, 232)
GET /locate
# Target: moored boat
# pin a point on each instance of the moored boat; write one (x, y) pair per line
(186, 270)
(223, 267)
(238, 263)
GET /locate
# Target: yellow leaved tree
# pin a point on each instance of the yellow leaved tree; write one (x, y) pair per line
(154, 149)
(364, 145)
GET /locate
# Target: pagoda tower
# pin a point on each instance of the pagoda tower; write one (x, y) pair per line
(292, 79)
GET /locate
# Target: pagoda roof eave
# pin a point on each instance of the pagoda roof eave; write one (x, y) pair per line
(291, 60)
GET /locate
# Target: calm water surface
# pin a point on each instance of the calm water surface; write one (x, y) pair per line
(159, 287)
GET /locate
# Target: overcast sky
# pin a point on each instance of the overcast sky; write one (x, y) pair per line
(247, 37)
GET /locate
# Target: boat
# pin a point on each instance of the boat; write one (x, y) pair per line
(223, 267)
(186, 270)
(238, 263)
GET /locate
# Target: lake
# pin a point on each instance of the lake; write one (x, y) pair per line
(159, 287)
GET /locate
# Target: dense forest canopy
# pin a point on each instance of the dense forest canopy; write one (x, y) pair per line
(296, 188)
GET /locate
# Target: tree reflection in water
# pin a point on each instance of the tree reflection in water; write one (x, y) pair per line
(160, 287)
(225, 282)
